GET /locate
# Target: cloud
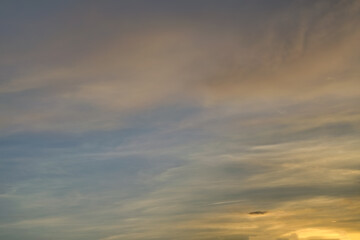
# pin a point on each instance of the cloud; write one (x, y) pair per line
(258, 213)
(113, 76)
(171, 120)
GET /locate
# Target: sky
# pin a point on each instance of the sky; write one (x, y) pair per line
(200, 120)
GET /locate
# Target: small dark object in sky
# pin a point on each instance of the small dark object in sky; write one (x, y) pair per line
(258, 213)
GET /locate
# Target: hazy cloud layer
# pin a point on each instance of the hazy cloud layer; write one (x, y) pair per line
(180, 120)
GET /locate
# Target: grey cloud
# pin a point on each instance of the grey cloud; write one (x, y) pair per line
(258, 213)
(125, 72)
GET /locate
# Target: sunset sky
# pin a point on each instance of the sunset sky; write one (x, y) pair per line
(179, 120)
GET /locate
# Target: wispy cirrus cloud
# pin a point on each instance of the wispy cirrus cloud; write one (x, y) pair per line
(159, 120)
